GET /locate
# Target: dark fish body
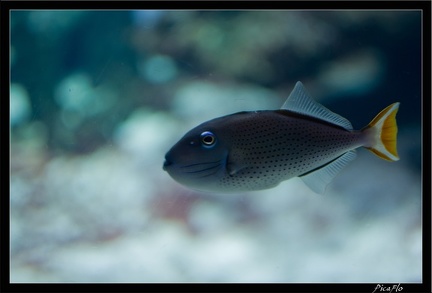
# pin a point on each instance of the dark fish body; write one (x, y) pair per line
(257, 150)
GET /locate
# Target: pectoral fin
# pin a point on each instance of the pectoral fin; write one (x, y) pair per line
(233, 167)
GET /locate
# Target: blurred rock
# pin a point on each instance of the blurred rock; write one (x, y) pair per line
(201, 101)
(146, 18)
(354, 75)
(20, 108)
(146, 135)
(158, 69)
(52, 22)
(76, 93)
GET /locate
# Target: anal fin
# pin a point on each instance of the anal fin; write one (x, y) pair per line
(318, 179)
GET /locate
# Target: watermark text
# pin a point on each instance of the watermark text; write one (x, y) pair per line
(388, 288)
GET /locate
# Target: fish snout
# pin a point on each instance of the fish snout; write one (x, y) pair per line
(168, 161)
(166, 164)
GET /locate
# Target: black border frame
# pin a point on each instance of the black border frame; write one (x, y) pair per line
(424, 6)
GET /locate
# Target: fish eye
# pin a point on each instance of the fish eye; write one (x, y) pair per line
(208, 139)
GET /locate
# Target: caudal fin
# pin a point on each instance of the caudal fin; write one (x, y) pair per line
(382, 134)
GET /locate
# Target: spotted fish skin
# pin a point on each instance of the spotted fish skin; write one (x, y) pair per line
(249, 151)
(268, 147)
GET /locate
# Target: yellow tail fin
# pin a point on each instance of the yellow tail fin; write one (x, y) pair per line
(382, 133)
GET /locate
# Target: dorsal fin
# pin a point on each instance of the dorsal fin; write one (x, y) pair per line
(299, 101)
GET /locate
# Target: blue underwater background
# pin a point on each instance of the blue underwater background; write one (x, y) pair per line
(98, 97)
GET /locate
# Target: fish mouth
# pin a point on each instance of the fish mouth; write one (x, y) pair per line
(202, 169)
(191, 173)
(166, 164)
(194, 170)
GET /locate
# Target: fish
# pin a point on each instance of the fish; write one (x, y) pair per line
(256, 150)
